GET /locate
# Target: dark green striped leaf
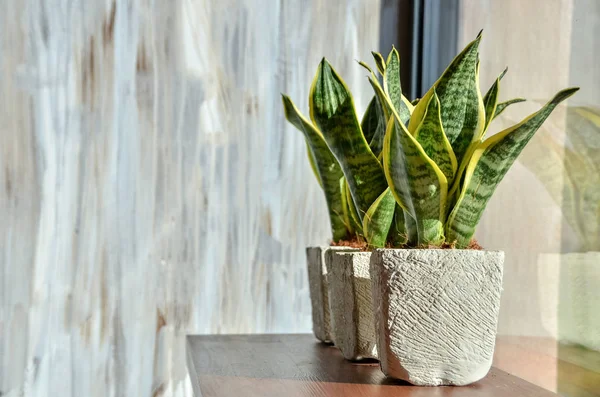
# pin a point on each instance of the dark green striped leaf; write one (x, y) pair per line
(430, 134)
(373, 125)
(378, 219)
(490, 162)
(393, 87)
(325, 166)
(418, 185)
(462, 109)
(501, 107)
(332, 110)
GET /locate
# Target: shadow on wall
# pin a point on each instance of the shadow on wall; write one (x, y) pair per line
(570, 280)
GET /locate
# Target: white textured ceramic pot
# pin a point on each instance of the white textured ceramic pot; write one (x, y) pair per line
(351, 304)
(436, 313)
(569, 286)
(318, 282)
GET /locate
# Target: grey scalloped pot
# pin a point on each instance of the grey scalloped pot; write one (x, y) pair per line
(436, 313)
(351, 304)
(318, 282)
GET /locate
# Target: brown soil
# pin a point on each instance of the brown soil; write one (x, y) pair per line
(355, 242)
(473, 245)
(362, 245)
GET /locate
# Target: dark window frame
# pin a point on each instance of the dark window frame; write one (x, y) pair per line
(425, 33)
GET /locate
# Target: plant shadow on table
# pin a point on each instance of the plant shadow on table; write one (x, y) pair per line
(284, 358)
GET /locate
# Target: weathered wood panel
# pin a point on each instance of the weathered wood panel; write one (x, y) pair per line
(149, 186)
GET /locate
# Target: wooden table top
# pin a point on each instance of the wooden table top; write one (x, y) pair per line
(299, 366)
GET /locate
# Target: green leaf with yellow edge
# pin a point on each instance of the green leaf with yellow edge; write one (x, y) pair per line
(332, 110)
(501, 107)
(379, 62)
(489, 163)
(418, 185)
(378, 219)
(346, 207)
(430, 134)
(313, 163)
(490, 91)
(364, 65)
(324, 164)
(462, 111)
(393, 87)
(373, 125)
(490, 101)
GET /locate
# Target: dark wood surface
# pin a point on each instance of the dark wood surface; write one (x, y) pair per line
(299, 366)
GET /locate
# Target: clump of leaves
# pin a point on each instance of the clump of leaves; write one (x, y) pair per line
(418, 173)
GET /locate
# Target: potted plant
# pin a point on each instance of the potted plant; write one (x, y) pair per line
(356, 145)
(436, 297)
(339, 143)
(569, 282)
(330, 178)
(340, 287)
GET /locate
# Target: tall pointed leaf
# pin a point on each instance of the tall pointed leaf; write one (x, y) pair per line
(364, 65)
(490, 100)
(378, 219)
(430, 134)
(332, 109)
(494, 86)
(327, 167)
(462, 109)
(393, 87)
(373, 125)
(418, 185)
(490, 162)
(501, 107)
(379, 62)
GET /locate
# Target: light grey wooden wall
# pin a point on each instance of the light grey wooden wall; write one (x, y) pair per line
(149, 186)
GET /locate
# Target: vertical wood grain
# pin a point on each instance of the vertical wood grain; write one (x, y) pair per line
(149, 186)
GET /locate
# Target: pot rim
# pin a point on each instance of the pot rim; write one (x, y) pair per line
(435, 249)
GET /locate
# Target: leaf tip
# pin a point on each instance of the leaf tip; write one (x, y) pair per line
(564, 94)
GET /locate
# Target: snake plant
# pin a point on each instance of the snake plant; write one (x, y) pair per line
(418, 173)
(570, 172)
